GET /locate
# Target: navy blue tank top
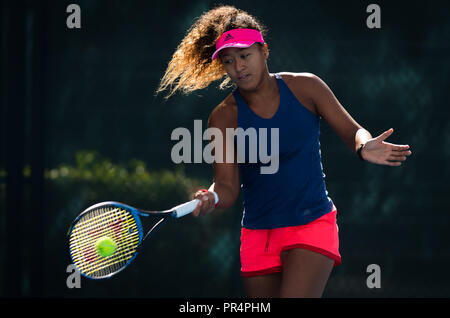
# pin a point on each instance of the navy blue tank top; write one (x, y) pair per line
(296, 193)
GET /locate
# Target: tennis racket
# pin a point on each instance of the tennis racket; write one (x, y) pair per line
(120, 224)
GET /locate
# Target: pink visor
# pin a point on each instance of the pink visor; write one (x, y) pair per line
(240, 38)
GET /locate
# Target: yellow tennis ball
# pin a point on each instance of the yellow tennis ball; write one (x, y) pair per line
(105, 246)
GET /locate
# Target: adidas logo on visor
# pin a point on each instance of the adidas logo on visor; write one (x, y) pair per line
(228, 37)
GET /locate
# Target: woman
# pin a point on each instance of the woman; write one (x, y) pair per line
(289, 238)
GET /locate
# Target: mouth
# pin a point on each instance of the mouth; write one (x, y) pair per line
(243, 77)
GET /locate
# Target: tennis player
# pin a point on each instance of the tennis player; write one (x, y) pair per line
(289, 237)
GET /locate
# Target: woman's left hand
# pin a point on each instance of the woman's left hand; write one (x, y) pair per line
(378, 151)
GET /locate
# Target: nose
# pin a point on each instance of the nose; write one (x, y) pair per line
(239, 65)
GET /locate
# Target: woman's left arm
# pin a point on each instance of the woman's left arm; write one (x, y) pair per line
(375, 150)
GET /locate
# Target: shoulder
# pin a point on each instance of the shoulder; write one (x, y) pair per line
(224, 115)
(299, 80)
(305, 87)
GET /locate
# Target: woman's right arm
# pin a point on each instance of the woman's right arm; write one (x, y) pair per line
(226, 174)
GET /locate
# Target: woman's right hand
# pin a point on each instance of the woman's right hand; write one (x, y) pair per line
(206, 204)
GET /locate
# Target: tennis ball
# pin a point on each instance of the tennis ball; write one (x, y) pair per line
(105, 246)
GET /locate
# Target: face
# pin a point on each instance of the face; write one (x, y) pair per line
(245, 66)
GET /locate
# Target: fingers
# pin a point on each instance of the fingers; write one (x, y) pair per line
(388, 154)
(206, 203)
(394, 147)
(402, 156)
(197, 209)
(396, 157)
(405, 152)
(400, 153)
(396, 154)
(386, 134)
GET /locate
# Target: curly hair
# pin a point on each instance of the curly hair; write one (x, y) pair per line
(191, 67)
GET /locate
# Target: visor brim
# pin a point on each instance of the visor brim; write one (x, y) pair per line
(240, 45)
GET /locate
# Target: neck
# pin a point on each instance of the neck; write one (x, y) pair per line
(266, 89)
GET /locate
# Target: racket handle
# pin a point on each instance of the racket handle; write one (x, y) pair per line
(188, 207)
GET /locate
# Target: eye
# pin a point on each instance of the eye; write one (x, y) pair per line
(244, 56)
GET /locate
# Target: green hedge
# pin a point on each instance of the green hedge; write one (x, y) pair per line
(190, 257)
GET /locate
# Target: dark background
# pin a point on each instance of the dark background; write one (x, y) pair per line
(80, 124)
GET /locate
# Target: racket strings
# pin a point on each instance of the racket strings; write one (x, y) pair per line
(96, 225)
(103, 265)
(110, 221)
(90, 230)
(124, 251)
(100, 216)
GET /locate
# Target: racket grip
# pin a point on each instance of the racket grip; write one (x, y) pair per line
(188, 207)
(185, 208)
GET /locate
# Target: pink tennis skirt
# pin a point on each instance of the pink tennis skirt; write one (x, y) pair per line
(261, 249)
